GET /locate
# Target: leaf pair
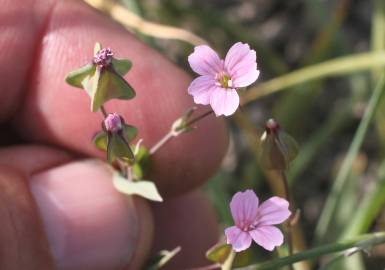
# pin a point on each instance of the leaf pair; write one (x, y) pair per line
(102, 83)
(117, 144)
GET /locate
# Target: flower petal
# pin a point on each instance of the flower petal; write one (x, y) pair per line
(224, 101)
(205, 61)
(244, 207)
(239, 239)
(273, 211)
(267, 237)
(241, 65)
(201, 89)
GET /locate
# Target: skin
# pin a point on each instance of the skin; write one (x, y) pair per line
(57, 204)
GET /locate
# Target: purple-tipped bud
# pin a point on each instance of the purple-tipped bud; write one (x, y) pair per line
(277, 149)
(271, 126)
(103, 57)
(113, 123)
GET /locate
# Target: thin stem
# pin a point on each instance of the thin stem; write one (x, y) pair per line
(199, 117)
(207, 267)
(104, 112)
(171, 134)
(289, 223)
(162, 142)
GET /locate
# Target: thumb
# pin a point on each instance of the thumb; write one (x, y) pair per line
(21, 246)
(89, 225)
(68, 216)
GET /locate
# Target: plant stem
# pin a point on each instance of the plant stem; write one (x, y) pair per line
(335, 67)
(104, 112)
(207, 267)
(199, 117)
(171, 134)
(361, 242)
(289, 223)
(161, 142)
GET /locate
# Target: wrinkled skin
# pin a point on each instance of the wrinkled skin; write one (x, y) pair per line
(57, 205)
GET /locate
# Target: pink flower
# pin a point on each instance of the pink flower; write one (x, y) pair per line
(254, 222)
(220, 79)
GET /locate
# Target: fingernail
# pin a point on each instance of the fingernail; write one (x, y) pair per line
(89, 225)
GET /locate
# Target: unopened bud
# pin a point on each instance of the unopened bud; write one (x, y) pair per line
(181, 125)
(277, 148)
(113, 123)
(103, 57)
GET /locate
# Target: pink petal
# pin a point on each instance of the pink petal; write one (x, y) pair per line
(201, 89)
(241, 64)
(244, 207)
(239, 239)
(205, 61)
(273, 211)
(267, 237)
(224, 101)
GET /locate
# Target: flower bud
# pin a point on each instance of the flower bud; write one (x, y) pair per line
(277, 148)
(103, 57)
(113, 123)
(181, 125)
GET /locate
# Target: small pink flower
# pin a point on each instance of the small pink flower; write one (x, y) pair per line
(254, 222)
(219, 78)
(113, 123)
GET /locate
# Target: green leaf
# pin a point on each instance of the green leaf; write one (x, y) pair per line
(118, 147)
(76, 77)
(129, 132)
(219, 253)
(142, 163)
(326, 218)
(100, 140)
(145, 189)
(159, 260)
(121, 66)
(106, 85)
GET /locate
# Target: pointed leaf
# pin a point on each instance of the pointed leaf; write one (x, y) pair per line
(145, 189)
(121, 66)
(76, 77)
(100, 140)
(118, 147)
(97, 47)
(129, 132)
(109, 85)
(142, 163)
(219, 253)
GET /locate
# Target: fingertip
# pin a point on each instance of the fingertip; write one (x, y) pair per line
(89, 225)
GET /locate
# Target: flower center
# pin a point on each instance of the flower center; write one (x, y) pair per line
(224, 80)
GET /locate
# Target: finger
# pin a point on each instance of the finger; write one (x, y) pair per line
(187, 221)
(88, 224)
(23, 244)
(30, 159)
(56, 113)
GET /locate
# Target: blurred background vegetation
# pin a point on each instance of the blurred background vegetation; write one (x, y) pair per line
(324, 104)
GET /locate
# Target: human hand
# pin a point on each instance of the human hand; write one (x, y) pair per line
(58, 207)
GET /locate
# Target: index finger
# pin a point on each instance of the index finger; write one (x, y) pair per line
(55, 113)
